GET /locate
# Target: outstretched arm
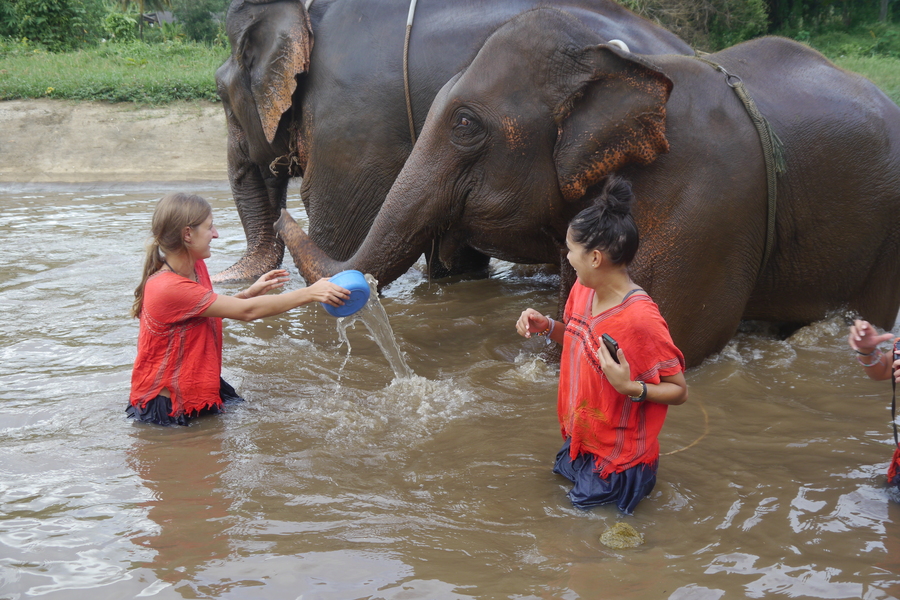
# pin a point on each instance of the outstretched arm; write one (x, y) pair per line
(248, 309)
(270, 281)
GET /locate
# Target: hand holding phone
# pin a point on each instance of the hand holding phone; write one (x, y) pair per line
(611, 345)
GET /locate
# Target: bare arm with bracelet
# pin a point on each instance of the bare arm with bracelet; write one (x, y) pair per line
(531, 322)
(864, 340)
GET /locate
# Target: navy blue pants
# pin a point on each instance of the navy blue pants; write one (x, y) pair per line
(625, 489)
(157, 410)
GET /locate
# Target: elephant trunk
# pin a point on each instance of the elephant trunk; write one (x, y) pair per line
(412, 216)
(312, 263)
(385, 255)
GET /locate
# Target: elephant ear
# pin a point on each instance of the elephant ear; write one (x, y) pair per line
(612, 113)
(271, 42)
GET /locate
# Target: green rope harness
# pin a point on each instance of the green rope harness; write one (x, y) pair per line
(773, 151)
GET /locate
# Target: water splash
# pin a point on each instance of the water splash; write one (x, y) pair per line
(374, 317)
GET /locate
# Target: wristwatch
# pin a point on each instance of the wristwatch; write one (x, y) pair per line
(643, 393)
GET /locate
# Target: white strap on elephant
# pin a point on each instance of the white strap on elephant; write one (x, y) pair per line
(619, 44)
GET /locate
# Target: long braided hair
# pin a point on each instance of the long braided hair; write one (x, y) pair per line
(174, 212)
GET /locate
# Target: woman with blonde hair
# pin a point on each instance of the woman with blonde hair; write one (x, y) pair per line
(177, 372)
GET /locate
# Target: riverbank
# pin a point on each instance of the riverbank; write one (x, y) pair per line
(65, 142)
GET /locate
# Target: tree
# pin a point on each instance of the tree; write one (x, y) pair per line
(55, 24)
(157, 5)
(201, 18)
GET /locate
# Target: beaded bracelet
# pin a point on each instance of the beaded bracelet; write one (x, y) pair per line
(876, 358)
(550, 325)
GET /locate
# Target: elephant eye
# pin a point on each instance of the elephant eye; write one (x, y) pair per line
(466, 128)
(463, 121)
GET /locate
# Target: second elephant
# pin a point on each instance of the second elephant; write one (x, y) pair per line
(518, 142)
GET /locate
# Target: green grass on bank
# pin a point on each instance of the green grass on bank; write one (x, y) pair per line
(883, 71)
(165, 72)
(132, 72)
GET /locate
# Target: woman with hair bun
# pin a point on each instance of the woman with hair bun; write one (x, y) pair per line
(177, 372)
(611, 408)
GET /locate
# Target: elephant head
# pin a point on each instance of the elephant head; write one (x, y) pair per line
(271, 43)
(511, 149)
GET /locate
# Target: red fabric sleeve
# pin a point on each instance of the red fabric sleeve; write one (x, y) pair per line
(658, 356)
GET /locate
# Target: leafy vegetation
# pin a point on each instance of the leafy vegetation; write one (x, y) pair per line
(878, 39)
(57, 25)
(707, 24)
(63, 25)
(194, 15)
(711, 25)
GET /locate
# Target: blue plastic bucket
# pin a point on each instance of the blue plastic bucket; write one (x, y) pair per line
(356, 283)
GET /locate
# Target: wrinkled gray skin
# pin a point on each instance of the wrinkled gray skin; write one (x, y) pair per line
(320, 95)
(519, 142)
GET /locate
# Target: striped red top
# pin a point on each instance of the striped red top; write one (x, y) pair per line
(177, 349)
(620, 433)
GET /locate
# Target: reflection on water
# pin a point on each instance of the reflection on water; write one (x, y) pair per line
(181, 469)
(340, 479)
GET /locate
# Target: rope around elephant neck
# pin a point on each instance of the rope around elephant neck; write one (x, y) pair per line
(409, 24)
(773, 152)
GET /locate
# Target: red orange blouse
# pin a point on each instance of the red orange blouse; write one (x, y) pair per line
(177, 349)
(620, 433)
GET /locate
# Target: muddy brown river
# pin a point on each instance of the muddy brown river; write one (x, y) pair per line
(336, 481)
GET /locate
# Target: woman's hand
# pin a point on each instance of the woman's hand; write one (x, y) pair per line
(329, 293)
(618, 374)
(671, 389)
(531, 321)
(864, 339)
(270, 281)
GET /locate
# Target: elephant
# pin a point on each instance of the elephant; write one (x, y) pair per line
(521, 140)
(334, 112)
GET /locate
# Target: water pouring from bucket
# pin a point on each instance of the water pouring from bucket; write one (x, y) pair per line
(364, 305)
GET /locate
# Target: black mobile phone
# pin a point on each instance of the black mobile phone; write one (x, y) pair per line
(897, 350)
(611, 345)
